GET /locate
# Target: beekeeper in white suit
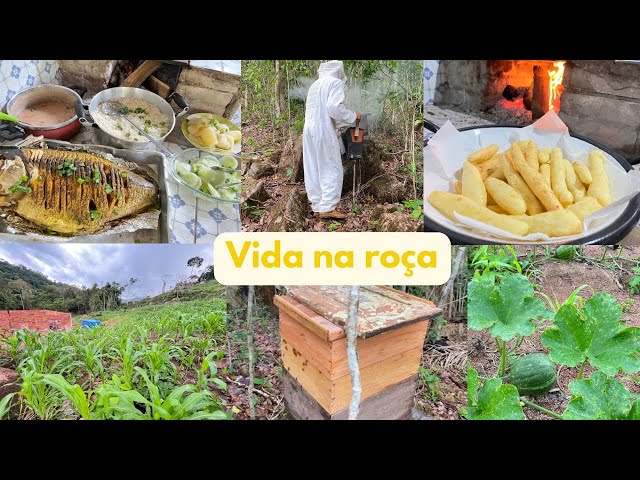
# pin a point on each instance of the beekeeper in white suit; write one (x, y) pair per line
(322, 146)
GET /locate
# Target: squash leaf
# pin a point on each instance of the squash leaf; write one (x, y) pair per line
(600, 398)
(508, 308)
(595, 334)
(496, 401)
(634, 414)
(472, 384)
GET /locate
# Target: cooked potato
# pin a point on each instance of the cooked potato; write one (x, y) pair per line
(583, 172)
(207, 137)
(599, 187)
(559, 178)
(585, 207)
(498, 173)
(488, 167)
(507, 197)
(558, 223)
(444, 202)
(534, 179)
(483, 154)
(574, 184)
(524, 144)
(472, 184)
(448, 203)
(544, 155)
(545, 171)
(497, 209)
(515, 180)
(531, 155)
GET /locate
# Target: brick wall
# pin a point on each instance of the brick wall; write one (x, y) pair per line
(601, 100)
(34, 320)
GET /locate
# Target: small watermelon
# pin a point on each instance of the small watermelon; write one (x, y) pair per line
(533, 374)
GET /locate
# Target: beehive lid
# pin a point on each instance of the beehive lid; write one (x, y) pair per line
(381, 308)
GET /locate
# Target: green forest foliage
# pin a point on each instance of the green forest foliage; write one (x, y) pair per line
(393, 86)
(22, 288)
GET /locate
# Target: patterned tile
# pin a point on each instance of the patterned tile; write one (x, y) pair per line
(430, 80)
(218, 215)
(195, 229)
(16, 75)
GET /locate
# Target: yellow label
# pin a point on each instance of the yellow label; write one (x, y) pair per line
(262, 258)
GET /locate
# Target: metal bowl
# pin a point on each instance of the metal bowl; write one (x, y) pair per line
(119, 92)
(189, 156)
(607, 235)
(46, 93)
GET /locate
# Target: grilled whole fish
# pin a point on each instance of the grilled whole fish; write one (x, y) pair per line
(72, 192)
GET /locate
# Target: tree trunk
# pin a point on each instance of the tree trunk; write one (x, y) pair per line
(455, 268)
(540, 100)
(252, 409)
(352, 352)
(280, 102)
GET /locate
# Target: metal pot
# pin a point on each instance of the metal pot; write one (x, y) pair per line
(46, 93)
(119, 92)
(609, 235)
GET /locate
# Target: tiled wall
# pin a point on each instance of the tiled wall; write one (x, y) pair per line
(430, 86)
(430, 80)
(16, 75)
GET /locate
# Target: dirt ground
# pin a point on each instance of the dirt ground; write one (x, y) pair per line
(447, 359)
(558, 279)
(268, 387)
(261, 143)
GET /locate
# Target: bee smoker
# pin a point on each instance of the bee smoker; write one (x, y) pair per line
(353, 136)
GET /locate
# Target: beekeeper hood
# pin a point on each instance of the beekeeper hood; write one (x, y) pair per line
(334, 68)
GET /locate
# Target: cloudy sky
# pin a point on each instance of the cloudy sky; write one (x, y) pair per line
(86, 264)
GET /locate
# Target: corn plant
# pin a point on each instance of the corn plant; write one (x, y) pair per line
(90, 360)
(208, 372)
(128, 358)
(5, 405)
(38, 398)
(126, 371)
(197, 405)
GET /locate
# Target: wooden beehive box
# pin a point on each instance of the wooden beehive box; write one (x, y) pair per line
(391, 329)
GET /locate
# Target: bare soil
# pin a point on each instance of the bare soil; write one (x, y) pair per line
(447, 359)
(263, 144)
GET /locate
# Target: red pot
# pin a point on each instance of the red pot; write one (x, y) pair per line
(46, 93)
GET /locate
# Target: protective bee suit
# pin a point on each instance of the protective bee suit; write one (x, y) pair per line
(321, 144)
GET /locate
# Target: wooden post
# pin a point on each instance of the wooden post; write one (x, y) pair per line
(540, 100)
(141, 73)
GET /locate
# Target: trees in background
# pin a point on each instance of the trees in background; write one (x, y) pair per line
(25, 289)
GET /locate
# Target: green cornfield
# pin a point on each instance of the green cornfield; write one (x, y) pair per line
(152, 363)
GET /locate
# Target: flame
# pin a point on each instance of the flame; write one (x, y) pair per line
(555, 86)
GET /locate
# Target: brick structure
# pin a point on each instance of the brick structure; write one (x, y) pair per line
(42, 320)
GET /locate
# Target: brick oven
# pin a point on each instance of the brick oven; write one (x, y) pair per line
(599, 99)
(41, 320)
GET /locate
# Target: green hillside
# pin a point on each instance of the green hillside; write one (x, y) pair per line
(199, 291)
(203, 296)
(10, 273)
